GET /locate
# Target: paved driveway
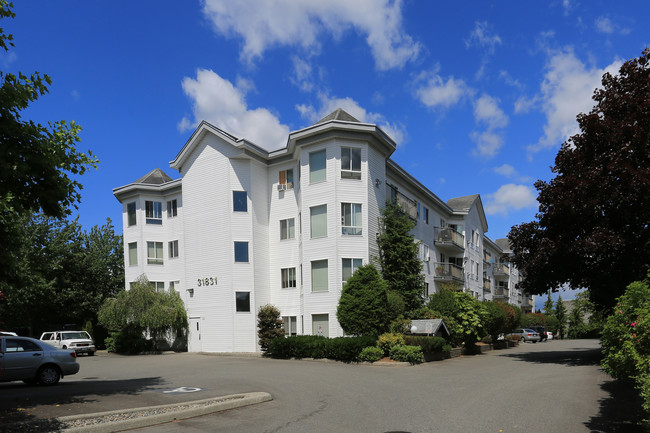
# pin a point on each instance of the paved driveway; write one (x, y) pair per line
(545, 387)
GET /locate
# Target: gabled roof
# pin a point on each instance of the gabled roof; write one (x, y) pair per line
(338, 114)
(154, 177)
(462, 205)
(504, 244)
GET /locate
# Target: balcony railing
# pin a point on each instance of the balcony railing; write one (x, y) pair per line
(487, 284)
(449, 271)
(447, 236)
(501, 270)
(501, 292)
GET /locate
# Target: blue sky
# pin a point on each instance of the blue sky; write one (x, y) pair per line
(479, 95)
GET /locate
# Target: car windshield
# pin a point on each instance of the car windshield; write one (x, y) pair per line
(74, 335)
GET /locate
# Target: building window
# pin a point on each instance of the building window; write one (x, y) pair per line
(159, 286)
(241, 252)
(288, 277)
(317, 166)
(173, 249)
(318, 221)
(130, 212)
(287, 229)
(239, 201)
(154, 253)
(290, 325)
(243, 302)
(349, 266)
(425, 253)
(426, 215)
(320, 325)
(351, 218)
(172, 208)
(319, 276)
(350, 163)
(175, 286)
(153, 212)
(285, 179)
(133, 253)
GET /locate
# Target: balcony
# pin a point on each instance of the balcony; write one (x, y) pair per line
(487, 285)
(501, 271)
(448, 239)
(501, 293)
(526, 302)
(448, 272)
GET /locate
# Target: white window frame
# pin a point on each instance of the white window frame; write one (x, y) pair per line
(320, 174)
(349, 263)
(290, 325)
(288, 278)
(172, 249)
(133, 253)
(157, 249)
(245, 201)
(248, 255)
(172, 208)
(248, 310)
(287, 228)
(153, 212)
(285, 178)
(350, 170)
(315, 276)
(353, 227)
(131, 211)
(318, 218)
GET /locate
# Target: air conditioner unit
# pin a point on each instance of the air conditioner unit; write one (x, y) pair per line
(289, 185)
(282, 187)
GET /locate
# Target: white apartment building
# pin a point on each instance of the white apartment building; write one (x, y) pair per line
(243, 227)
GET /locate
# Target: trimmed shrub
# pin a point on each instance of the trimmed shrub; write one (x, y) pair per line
(412, 354)
(345, 349)
(387, 341)
(128, 341)
(371, 354)
(269, 325)
(429, 345)
(363, 307)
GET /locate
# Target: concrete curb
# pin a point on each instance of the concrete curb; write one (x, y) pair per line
(220, 404)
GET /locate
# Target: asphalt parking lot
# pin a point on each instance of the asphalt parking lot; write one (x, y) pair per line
(550, 387)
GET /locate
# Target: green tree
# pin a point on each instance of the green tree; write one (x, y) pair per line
(39, 165)
(467, 312)
(269, 325)
(592, 226)
(143, 308)
(532, 319)
(548, 304)
(398, 256)
(363, 307)
(495, 319)
(560, 315)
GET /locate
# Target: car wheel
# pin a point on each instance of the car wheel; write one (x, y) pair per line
(534, 341)
(64, 347)
(49, 375)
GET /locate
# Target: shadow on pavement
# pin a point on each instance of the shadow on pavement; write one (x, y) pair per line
(18, 398)
(620, 411)
(572, 358)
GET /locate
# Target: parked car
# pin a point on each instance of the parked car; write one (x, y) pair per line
(543, 335)
(79, 341)
(549, 335)
(33, 361)
(526, 335)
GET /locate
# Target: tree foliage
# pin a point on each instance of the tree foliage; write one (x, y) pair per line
(142, 307)
(39, 165)
(63, 274)
(468, 314)
(363, 307)
(269, 325)
(398, 256)
(560, 315)
(592, 227)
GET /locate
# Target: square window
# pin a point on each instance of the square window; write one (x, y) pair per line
(319, 276)
(243, 302)
(241, 252)
(350, 163)
(133, 254)
(351, 220)
(239, 201)
(317, 166)
(287, 229)
(318, 219)
(154, 253)
(172, 208)
(288, 277)
(130, 212)
(153, 212)
(173, 249)
(349, 266)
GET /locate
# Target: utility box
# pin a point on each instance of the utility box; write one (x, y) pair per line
(434, 327)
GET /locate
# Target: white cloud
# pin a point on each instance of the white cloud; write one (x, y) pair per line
(565, 92)
(216, 100)
(433, 91)
(487, 112)
(264, 24)
(506, 170)
(510, 197)
(328, 104)
(302, 71)
(606, 25)
(482, 37)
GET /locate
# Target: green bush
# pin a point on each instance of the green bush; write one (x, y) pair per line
(371, 354)
(400, 325)
(532, 319)
(626, 339)
(495, 320)
(345, 349)
(467, 312)
(429, 345)
(412, 354)
(387, 341)
(129, 341)
(269, 325)
(363, 307)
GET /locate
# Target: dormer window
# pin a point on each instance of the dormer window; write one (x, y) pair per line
(350, 163)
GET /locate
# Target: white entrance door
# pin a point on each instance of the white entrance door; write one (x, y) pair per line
(194, 343)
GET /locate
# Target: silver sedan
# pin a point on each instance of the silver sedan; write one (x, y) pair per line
(32, 361)
(527, 335)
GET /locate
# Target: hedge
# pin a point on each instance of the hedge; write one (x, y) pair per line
(345, 349)
(429, 345)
